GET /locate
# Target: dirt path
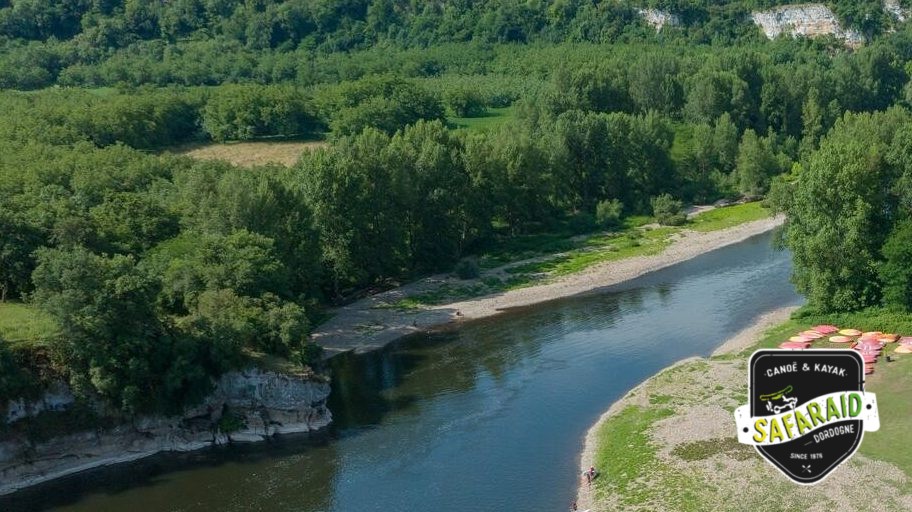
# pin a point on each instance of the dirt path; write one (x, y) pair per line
(373, 322)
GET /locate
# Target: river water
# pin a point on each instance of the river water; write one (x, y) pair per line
(489, 417)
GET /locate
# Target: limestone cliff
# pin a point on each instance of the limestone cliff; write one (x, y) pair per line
(261, 404)
(804, 20)
(659, 19)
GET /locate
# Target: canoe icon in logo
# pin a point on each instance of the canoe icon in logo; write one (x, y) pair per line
(808, 410)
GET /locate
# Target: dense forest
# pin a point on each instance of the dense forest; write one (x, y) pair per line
(163, 271)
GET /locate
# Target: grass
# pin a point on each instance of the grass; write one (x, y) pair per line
(565, 252)
(251, 153)
(600, 249)
(21, 323)
(493, 118)
(625, 453)
(722, 218)
(892, 382)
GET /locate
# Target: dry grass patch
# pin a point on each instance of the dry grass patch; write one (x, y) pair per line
(250, 154)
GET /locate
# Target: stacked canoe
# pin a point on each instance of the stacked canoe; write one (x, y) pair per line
(870, 344)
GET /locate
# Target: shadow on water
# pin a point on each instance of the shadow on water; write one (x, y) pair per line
(514, 391)
(164, 469)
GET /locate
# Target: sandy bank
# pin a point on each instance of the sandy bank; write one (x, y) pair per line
(370, 323)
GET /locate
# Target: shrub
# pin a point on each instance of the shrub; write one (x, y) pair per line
(608, 213)
(467, 268)
(465, 102)
(668, 211)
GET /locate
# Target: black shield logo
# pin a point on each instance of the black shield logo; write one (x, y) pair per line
(807, 410)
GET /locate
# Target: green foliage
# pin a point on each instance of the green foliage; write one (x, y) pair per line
(15, 380)
(382, 102)
(668, 210)
(464, 102)
(112, 340)
(841, 212)
(757, 163)
(896, 271)
(230, 422)
(243, 112)
(161, 272)
(608, 213)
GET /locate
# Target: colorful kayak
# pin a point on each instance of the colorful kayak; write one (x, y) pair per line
(850, 332)
(905, 340)
(794, 345)
(801, 339)
(826, 329)
(814, 335)
(888, 338)
(903, 349)
(840, 339)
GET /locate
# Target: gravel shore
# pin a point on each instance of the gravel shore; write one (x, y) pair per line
(698, 465)
(370, 323)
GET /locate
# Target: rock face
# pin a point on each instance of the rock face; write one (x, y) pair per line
(896, 10)
(264, 403)
(659, 19)
(57, 398)
(805, 20)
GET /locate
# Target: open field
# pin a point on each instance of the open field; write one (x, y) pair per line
(23, 323)
(251, 154)
(493, 118)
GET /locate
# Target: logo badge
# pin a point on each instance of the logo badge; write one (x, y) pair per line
(808, 410)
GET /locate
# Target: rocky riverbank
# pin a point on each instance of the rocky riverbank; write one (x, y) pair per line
(370, 324)
(246, 406)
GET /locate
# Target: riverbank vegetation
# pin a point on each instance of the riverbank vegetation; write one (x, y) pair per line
(477, 131)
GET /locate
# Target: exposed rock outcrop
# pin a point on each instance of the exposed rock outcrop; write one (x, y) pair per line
(58, 397)
(805, 20)
(261, 403)
(896, 10)
(659, 19)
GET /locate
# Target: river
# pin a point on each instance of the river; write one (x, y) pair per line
(484, 418)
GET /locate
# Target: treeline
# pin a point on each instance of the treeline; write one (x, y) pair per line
(164, 272)
(157, 118)
(850, 215)
(195, 42)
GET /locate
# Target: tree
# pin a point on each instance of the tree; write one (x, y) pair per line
(668, 210)
(241, 112)
(896, 271)
(464, 102)
(841, 211)
(608, 213)
(348, 188)
(758, 161)
(18, 240)
(381, 102)
(113, 343)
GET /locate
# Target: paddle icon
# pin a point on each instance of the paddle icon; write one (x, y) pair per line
(785, 402)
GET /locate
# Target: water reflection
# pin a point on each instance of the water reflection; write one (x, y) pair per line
(489, 416)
